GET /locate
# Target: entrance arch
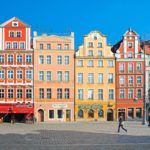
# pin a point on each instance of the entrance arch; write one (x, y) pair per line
(110, 115)
(41, 115)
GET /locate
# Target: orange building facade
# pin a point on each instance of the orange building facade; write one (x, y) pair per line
(54, 78)
(129, 77)
(16, 70)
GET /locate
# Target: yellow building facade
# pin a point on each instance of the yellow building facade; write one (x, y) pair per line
(94, 79)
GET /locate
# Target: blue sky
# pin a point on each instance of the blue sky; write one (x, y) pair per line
(111, 17)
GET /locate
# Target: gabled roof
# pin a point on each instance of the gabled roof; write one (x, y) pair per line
(95, 31)
(130, 30)
(116, 46)
(10, 20)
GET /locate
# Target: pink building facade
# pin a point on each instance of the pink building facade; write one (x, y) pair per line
(53, 78)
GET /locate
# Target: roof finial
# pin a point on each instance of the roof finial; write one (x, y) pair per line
(130, 29)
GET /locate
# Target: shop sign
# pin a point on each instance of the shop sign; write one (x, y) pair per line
(90, 106)
(59, 106)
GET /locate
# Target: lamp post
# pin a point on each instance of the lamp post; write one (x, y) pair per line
(144, 97)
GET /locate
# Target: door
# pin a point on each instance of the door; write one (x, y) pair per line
(41, 115)
(110, 115)
(68, 115)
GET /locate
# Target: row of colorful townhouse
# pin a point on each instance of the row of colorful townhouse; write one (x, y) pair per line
(48, 80)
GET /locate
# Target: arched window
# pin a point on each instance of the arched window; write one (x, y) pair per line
(80, 113)
(101, 114)
(91, 113)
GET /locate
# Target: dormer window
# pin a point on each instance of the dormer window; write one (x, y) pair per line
(130, 55)
(15, 24)
(129, 45)
(95, 37)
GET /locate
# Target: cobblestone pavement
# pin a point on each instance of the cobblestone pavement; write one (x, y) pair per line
(74, 136)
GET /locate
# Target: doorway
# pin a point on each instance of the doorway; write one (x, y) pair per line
(41, 115)
(110, 115)
(68, 115)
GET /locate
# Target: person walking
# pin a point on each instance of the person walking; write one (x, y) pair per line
(121, 123)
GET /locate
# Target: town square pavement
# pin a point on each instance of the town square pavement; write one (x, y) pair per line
(74, 136)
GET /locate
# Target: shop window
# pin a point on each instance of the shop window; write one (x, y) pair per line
(101, 114)
(51, 114)
(80, 114)
(60, 114)
(138, 112)
(91, 113)
(130, 113)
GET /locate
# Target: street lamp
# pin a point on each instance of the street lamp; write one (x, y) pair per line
(144, 97)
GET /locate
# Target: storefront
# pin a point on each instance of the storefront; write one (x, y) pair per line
(16, 112)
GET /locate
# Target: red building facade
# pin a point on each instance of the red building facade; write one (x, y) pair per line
(16, 71)
(129, 76)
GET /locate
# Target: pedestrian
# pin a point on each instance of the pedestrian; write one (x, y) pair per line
(121, 123)
(149, 119)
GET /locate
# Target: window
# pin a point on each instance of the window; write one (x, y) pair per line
(41, 75)
(59, 59)
(59, 93)
(139, 67)
(110, 63)
(60, 114)
(19, 74)
(100, 78)
(49, 76)
(41, 46)
(80, 77)
(66, 60)
(19, 93)
(90, 63)
(100, 94)
(130, 68)
(48, 46)
(121, 68)
(1, 58)
(95, 38)
(1, 93)
(18, 34)
(90, 113)
(90, 53)
(90, 44)
(49, 93)
(10, 59)
(8, 45)
(15, 45)
(130, 113)
(139, 93)
(130, 93)
(110, 78)
(80, 63)
(138, 112)
(67, 93)
(100, 63)
(41, 92)
(19, 58)
(66, 76)
(122, 80)
(91, 94)
(59, 46)
(139, 79)
(99, 45)
(66, 46)
(100, 53)
(29, 93)
(1, 74)
(10, 74)
(130, 80)
(122, 94)
(90, 77)
(130, 55)
(10, 93)
(28, 58)
(101, 114)
(111, 94)
(51, 114)
(28, 74)
(80, 113)
(59, 75)
(41, 59)
(11, 34)
(80, 94)
(129, 45)
(48, 59)
(22, 45)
